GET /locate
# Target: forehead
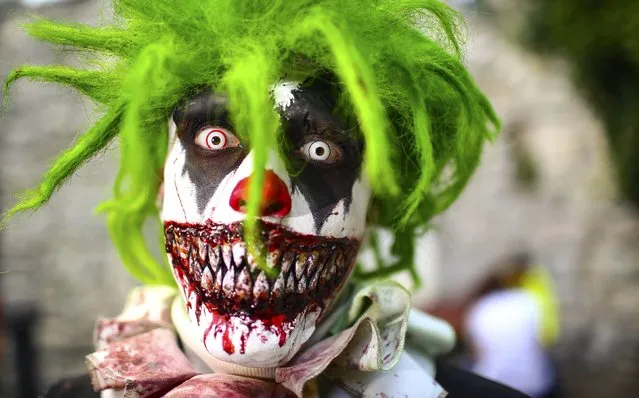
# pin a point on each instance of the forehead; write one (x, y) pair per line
(314, 100)
(318, 94)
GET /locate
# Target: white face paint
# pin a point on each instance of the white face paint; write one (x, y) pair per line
(283, 94)
(313, 221)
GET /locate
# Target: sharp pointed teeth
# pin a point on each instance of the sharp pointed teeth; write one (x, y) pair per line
(181, 247)
(194, 266)
(228, 285)
(218, 280)
(313, 285)
(324, 275)
(320, 269)
(332, 272)
(300, 265)
(287, 261)
(339, 259)
(290, 283)
(243, 287)
(202, 249)
(217, 266)
(239, 253)
(207, 279)
(227, 255)
(312, 263)
(301, 285)
(261, 288)
(183, 250)
(279, 286)
(214, 258)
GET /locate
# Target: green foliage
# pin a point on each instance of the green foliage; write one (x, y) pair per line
(423, 119)
(600, 40)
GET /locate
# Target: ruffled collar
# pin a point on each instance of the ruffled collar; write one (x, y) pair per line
(138, 352)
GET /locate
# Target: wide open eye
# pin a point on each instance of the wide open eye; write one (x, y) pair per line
(215, 138)
(321, 151)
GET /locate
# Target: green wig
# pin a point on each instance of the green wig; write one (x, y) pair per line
(398, 63)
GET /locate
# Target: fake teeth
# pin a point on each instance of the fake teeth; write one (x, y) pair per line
(239, 252)
(290, 283)
(228, 285)
(279, 287)
(219, 279)
(287, 261)
(232, 270)
(300, 265)
(244, 284)
(207, 279)
(224, 273)
(262, 288)
(227, 255)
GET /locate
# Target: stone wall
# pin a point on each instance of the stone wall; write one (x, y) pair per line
(60, 259)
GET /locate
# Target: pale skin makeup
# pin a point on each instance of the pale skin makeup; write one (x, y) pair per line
(313, 218)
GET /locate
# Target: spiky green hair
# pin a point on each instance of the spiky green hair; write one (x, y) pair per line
(423, 119)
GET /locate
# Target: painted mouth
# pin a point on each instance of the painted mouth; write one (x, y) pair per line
(211, 260)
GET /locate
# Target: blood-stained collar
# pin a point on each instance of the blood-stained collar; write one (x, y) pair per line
(366, 357)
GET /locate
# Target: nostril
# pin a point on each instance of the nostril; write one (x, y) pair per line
(273, 208)
(276, 200)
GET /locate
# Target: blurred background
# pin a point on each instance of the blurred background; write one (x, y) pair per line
(561, 184)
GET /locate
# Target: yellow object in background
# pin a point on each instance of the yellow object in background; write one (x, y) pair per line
(539, 283)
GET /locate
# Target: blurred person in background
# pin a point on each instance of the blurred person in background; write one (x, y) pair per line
(508, 325)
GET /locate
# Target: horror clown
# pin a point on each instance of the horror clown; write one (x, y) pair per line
(270, 138)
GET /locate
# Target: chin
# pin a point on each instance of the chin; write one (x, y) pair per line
(243, 316)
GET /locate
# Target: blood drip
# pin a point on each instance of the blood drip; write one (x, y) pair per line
(227, 344)
(243, 342)
(198, 308)
(277, 322)
(275, 238)
(220, 324)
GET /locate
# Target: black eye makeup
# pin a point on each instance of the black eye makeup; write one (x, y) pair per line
(323, 151)
(316, 133)
(313, 133)
(206, 110)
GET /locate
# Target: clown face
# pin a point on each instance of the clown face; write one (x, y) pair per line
(313, 216)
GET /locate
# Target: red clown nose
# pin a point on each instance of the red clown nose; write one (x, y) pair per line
(276, 201)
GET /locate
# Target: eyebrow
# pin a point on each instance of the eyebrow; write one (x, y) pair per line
(316, 117)
(206, 106)
(324, 126)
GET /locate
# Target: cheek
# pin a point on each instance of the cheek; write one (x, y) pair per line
(348, 218)
(172, 209)
(195, 194)
(345, 218)
(180, 195)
